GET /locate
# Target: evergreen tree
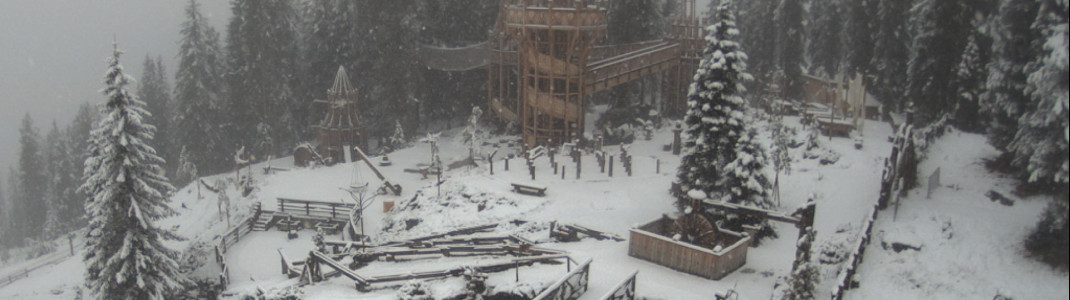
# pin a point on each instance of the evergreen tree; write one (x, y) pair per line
(826, 46)
(972, 72)
(632, 21)
(715, 117)
(187, 171)
(1040, 145)
(472, 136)
(802, 285)
(790, 51)
(156, 92)
(331, 39)
(78, 136)
(745, 175)
(198, 91)
(859, 33)
(11, 231)
(261, 61)
(29, 211)
(1014, 48)
(396, 85)
(942, 29)
(758, 37)
(65, 209)
(780, 155)
(891, 52)
(125, 256)
(455, 23)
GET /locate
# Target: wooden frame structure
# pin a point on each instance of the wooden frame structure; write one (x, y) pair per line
(340, 128)
(545, 62)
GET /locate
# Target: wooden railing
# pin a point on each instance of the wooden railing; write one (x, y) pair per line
(845, 281)
(570, 287)
(227, 240)
(315, 209)
(624, 291)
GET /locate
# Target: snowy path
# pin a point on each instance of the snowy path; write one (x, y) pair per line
(971, 247)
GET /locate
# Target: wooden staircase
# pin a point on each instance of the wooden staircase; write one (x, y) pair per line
(264, 221)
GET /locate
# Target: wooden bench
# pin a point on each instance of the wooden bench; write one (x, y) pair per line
(289, 223)
(329, 227)
(529, 189)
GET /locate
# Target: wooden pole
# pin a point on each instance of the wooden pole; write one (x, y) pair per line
(610, 166)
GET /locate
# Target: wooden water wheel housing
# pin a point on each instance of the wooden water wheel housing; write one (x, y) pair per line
(696, 229)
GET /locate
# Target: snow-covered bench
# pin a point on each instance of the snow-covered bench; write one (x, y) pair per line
(529, 188)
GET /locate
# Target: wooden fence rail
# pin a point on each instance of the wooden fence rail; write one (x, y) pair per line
(624, 291)
(570, 287)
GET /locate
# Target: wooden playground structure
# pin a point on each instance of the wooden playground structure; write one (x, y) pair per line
(545, 60)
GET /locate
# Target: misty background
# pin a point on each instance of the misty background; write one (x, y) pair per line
(53, 55)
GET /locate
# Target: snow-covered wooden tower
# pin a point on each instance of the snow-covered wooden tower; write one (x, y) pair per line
(340, 129)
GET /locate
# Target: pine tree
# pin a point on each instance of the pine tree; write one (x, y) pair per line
(715, 117)
(1014, 48)
(156, 92)
(790, 43)
(1040, 145)
(11, 231)
(261, 61)
(942, 29)
(972, 72)
(826, 46)
(199, 109)
(859, 33)
(757, 37)
(187, 170)
(745, 175)
(65, 209)
(396, 84)
(891, 52)
(30, 208)
(78, 135)
(125, 256)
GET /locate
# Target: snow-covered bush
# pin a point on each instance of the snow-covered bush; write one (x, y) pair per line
(1048, 241)
(414, 290)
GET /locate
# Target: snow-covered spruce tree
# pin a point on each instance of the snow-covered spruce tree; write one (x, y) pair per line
(261, 63)
(1015, 46)
(891, 52)
(745, 176)
(941, 31)
(826, 32)
(65, 209)
(759, 39)
(125, 256)
(790, 46)
(715, 115)
(971, 74)
(29, 211)
(154, 90)
(1040, 145)
(198, 90)
(187, 170)
(859, 35)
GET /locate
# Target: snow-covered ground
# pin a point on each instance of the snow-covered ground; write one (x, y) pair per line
(970, 246)
(844, 192)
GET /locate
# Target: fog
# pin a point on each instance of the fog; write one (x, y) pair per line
(52, 54)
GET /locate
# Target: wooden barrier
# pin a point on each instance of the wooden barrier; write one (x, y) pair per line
(334, 211)
(570, 287)
(624, 291)
(845, 280)
(645, 243)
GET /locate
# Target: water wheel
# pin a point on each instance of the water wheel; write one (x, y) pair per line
(696, 229)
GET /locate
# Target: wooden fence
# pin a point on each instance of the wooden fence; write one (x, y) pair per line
(845, 280)
(335, 211)
(645, 243)
(570, 287)
(227, 240)
(624, 291)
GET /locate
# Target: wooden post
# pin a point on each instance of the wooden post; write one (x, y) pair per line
(676, 139)
(579, 162)
(562, 172)
(507, 164)
(516, 266)
(554, 165)
(491, 161)
(657, 166)
(531, 168)
(610, 166)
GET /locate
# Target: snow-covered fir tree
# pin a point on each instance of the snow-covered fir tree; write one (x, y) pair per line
(757, 37)
(745, 176)
(154, 90)
(125, 256)
(393, 76)
(826, 32)
(260, 81)
(65, 209)
(802, 284)
(859, 33)
(715, 117)
(198, 92)
(29, 211)
(1015, 46)
(891, 52)
(941, 31)
(790, 46)
(1040, 145)
(971, 74)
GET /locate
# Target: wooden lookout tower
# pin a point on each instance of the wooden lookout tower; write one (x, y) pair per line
(546, 60)
(339, 130)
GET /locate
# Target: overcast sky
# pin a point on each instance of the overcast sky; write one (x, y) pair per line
(52, 54)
